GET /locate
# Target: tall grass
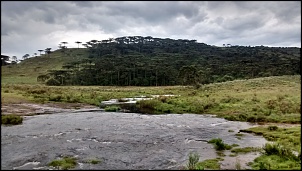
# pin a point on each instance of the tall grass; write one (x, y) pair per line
(193, 160)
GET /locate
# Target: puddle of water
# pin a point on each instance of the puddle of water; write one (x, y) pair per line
(120, 140)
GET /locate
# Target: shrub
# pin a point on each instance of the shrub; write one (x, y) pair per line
(230, 99)
(251, 119)
(272, 128)
(147, 106)
(245, 150)
(277, 149)
(210, 164)
(193, 160)
(271, 148)
(65, 163)
(53, 82)
(238, 165)
(231, 117)
(56, 98)
(11, 119)
(219, 144)
(112, 108)
(94, 161)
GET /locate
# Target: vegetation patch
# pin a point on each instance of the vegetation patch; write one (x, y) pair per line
(269, 107)
(289, 137)
(94, 161)
(277, 157)
(193, 160)
(219, 144)
(11, 119)
(283, 153)
(112, 108)
(238, 134)
(245, 150)
(65, 163)
(209, 164)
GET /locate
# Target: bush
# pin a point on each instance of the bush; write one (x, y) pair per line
(271, 148)
(53, 82)
(272, 128)
(219, 144)
(65, 163)
(193, 160)
(56, 98)
(112, 108)
(11, 119)
(94, 161)
(148, 106)
(277, 149)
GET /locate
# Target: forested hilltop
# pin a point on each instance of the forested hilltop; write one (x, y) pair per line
(148, 61)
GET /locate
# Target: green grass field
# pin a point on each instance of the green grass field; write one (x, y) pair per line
(268, 99)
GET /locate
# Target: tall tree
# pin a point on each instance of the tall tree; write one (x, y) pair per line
(40, 51)
(47, 51)
(14, 58)
(25, 56)
(64, 44)
(78, 42)
(4, 60)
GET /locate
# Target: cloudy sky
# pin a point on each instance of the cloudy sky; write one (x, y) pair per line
(27, 26)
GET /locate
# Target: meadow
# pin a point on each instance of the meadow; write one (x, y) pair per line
(274, 99)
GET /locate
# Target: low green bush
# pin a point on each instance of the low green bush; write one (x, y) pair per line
(11, 119)
(93, 161)
(65, 163)
(279, 150)
(219, 144)
(193, 160)
(272, 128)
(112, 108)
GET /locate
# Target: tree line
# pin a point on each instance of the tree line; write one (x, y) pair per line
(148, 61)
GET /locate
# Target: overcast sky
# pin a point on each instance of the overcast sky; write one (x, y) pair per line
(27, 26)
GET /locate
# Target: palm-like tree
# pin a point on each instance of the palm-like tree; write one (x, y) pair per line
(78, 42)
(40, 51)
(85, 45)
(25, 56)
(64, 44)
(14, 58)
(47, 51)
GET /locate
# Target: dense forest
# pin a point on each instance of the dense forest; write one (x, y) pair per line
(148, 61)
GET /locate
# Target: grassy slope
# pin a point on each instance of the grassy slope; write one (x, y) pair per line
(26, 72)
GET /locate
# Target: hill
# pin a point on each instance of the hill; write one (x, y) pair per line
(29, 69)
(148, 61)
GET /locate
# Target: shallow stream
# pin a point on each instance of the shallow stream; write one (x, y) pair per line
(120, 140)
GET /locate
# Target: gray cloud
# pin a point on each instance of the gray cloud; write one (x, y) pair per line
(28, 25)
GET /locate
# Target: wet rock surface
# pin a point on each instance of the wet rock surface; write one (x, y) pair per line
(47, 108)
(118, 140)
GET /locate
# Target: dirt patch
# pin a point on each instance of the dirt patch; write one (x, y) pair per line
(24, 109)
